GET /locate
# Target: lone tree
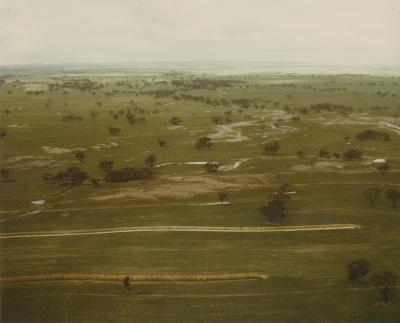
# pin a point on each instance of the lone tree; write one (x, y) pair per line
(222, 197)
(150, 160)
(300, 154)
(106, 165)
(274, 211)
(161, 143)
(386, 281)
(3, 133)
(114, 131)
(175, 121)
(211, 167)
(393, 194)
(127, 283)
(371, 195)
(80, 156)
(93, 114)
(131, 118)
(357, 270)
(271, 148)
(383, 168)
(203, 143)
(5, 173)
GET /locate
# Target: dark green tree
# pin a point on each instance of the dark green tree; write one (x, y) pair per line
(271, 148)
(222, 196)
(371, 195)
(393, 194)
(127, 283)
(175, 121)
(114, 131)
(386, 282)
(357, 269)
(211, 167)
(80, 156)
(203, 143)
(150, 160)
(5, 173)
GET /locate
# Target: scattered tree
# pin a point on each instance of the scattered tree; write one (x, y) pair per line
(3, 133)
(274, 211)
(323, 153)
(176, 121)
(129, 174)
(352, 154)
(72, 118)
(211, 167)
(371, 195)
(383, 168)
(203, 143)
(161, 143)
(95, 182)
(80, 156)
(127, 284)
(72, 176)
(386, 281)
(373, 135)
(150, 160)
(271, 148)
(106, 165)
(131, 118)
(141, 120)
(357, 270)
(5, 173)
(393, 194)
(114, 131)
(300, 154)
(222, 197)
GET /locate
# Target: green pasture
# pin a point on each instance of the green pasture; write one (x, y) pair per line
(307, 278)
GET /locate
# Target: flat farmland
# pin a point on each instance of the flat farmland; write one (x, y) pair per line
(170, 174)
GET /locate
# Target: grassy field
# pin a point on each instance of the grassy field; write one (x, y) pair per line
(307, 276)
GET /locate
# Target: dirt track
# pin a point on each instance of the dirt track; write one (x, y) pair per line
(43, 234)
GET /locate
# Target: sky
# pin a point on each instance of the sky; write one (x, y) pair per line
(325, 32)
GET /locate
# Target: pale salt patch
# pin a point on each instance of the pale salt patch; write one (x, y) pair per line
(57, 150)
(39, 202)
(379, 161)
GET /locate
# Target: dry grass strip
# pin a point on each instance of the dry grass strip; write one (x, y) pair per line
(133, 278)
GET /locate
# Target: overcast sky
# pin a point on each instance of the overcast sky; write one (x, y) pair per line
(360, 32)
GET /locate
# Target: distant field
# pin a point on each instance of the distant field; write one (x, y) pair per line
(48, 118)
